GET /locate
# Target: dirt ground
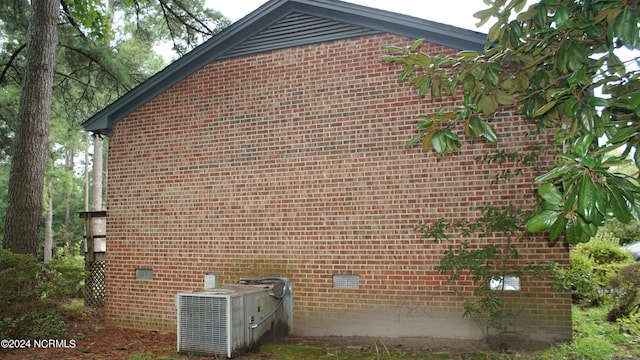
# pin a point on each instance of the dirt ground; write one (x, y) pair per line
(91, 340)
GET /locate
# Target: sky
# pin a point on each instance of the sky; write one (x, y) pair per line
(452, 12)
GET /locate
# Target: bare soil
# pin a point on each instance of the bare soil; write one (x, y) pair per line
(92, 340)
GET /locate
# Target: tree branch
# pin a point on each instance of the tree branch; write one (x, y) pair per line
(98, 62)
(67, 13)
(11, 60)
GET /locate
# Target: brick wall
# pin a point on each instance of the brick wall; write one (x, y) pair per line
(292, 163)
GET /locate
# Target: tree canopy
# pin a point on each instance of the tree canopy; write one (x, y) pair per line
(104, 49)
(558, 64)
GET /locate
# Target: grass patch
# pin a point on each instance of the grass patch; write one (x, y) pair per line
(292, 352)
(594, 338)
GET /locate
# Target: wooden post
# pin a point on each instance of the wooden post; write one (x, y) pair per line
(88, 217)
(94, 261)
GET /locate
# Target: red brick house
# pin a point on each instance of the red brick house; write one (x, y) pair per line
(277, 149)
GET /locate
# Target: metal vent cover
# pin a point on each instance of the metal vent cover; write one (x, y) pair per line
(346, 281)
(297, 29)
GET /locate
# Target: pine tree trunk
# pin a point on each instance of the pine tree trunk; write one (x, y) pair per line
(26, 180)
(96, 180)
(87, 144)
(48, 225)
(99, 225)
(68, 231)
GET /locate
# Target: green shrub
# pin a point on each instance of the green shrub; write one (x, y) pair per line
(592, 266)
(70, 273)
(630, 325)
(31, 294)
(604, 250)
(626, 286)
(627, 233)
(578, 278)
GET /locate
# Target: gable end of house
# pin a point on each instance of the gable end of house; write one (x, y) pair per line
(280, 24)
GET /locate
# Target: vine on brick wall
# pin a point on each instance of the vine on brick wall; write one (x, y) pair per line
(492, 261)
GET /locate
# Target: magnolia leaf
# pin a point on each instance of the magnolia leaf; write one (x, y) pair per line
(545, 108)
(475, 127)
(581, 145)
(586, 116)
(439, 142)
(576, 57)
(557, 228)
(424, 123)
(503, 98)
(587, 198)
(413, 141)
(519, 5)
(625, 27)
(553, 173)
(489, 132)
(542, 221)
(467, 55)
(550, 194)
(487, 104)
(416, 44)
(598, 101)
(427, 140)
(485, 15)
(561, 17)
(601, 16)
(623, 135)
(619, 206)
(578, 77)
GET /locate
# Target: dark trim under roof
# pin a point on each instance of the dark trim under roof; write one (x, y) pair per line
(280, 24)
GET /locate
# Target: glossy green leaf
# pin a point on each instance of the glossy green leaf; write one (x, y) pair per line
(503, 98)
(416, 44)
(587, 198)
(575, 231)
(602, 201)
(439, 142)
(625, 27)
(489, 132)
(550, 194)
(542, 221)
(467, 55)
(545, 108)
(485, 15)
(587, 117)
(487, 104)
(623, 134)
(424, 123)
(619, 206)
(553, 173)
(413, 141)
(475, 127)
(578, 78)
(561, 17)
(557, 228)
(582, 144)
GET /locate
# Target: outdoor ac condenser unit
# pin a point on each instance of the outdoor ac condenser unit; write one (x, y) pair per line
(233, 319)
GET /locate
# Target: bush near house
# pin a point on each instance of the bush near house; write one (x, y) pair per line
(592, 266)
(32, 293)
(626, 283)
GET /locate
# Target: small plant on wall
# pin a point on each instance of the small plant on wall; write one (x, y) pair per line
(487, 265)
